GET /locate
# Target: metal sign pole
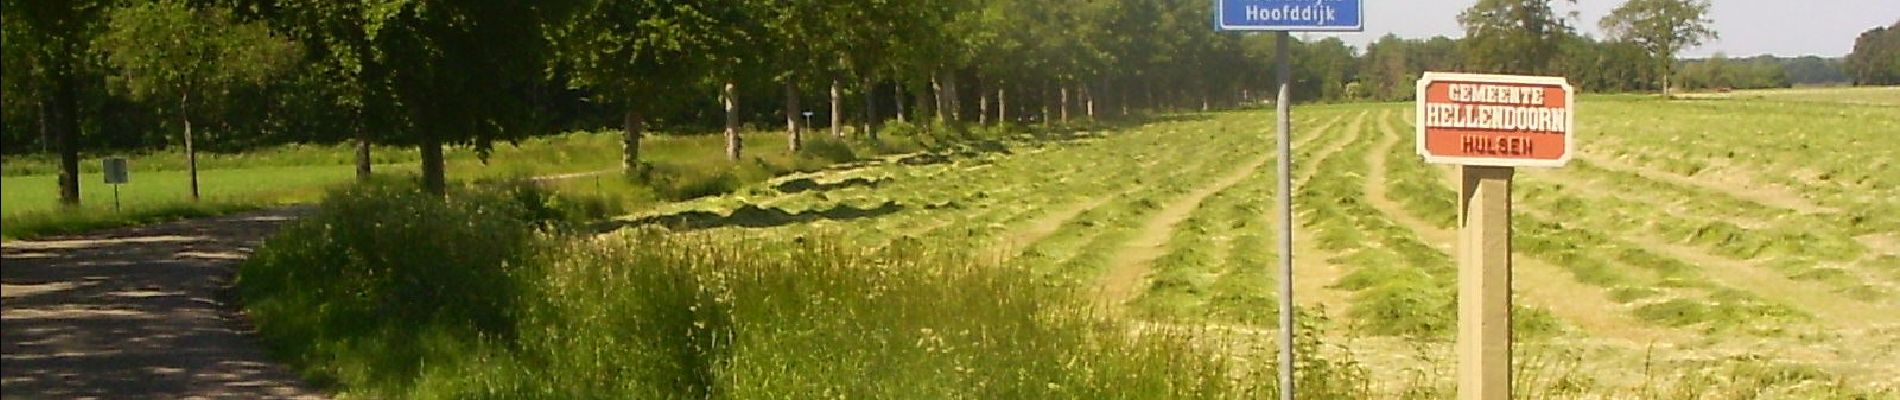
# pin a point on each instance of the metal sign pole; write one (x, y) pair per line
(1283, 109)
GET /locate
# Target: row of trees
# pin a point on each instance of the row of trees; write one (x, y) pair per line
(142, 73)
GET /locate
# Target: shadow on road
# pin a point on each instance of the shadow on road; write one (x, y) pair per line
(143, 312)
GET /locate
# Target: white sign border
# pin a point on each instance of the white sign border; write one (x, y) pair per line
(1221, 23)
(1570, 134)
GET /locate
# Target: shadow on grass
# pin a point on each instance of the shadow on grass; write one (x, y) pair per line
(801, 185)
(753, 216)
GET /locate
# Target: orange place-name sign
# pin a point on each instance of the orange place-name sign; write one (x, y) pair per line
(1496, 120)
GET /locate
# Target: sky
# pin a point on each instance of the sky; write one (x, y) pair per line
(1785, 28)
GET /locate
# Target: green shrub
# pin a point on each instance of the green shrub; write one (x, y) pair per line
(380, 273)
(829, 150)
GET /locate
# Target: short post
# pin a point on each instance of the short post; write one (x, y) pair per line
(117, 172)
(1484, 283)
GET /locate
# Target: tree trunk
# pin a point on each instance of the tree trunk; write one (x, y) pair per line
(66, 132)
(956, 100)
(870, 108)
(46, 134)
(982, 104)
(1046, 99)
(1665, 78)
(734, 144)
(897, 93)
(434, 177)
(837, 110)
(635, 126)
(936, 86)
(1064, 89)
(794, 131)
(362, 149)
(1002, 106)
(1088, 100)
(191, 153)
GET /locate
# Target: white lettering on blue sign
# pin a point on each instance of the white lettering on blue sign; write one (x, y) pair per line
(1290, 15)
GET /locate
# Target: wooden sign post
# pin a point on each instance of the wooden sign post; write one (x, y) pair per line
(1489, 125)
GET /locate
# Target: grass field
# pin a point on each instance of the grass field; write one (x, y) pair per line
(1730, 247)
(1717, 248)
(159, 188)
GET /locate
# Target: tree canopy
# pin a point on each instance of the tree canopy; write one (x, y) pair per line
(472, 72)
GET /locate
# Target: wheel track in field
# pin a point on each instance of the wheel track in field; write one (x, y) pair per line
(1313, 275)
(1539, 283)
(1132, 263)
(1743, 189)
(1829, 307)
(1014, 244)
(1135, 259)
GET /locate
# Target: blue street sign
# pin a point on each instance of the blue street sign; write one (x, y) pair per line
(1290, 15)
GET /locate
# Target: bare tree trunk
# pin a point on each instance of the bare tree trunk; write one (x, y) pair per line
(1002, 106)
(635, 125)
(1088, 100)
(1665, 78)
(936, 86)
(898, 95)
(956, 102)
(191, 154)
(1153, 104)
(363, 172)
(837, 110)
(434, 177)
(1046, 99)
(66, 132)
(46, 134)
(982, 103)
(734, 144)
(870, 107)
(1064, 89)
(793, 130)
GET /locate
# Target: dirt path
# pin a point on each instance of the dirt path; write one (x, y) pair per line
(1131, 263)
(144, 312)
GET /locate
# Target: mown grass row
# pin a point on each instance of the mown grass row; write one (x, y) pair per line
(1400, 285)
(1219, 263)
(1800, 246)
(1835, 155)
(1663, 290)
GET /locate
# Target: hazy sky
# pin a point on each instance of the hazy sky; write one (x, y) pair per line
(1748, 27)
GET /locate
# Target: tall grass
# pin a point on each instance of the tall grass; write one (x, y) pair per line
(386, 292)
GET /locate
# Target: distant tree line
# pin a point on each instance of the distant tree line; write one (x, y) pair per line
(232, 74)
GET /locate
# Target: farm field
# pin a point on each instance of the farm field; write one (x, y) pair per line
(1714, 248)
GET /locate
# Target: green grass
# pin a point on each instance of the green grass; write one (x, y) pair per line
(481, 306)
(677, 168)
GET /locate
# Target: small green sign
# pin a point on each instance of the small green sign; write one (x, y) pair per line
(117, 172)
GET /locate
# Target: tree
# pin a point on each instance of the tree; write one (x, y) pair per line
(167, 52)
(54, 34)
(1512, 36)
(1662, 27)
(641, 55)
(452, 72)
(1876, 57)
